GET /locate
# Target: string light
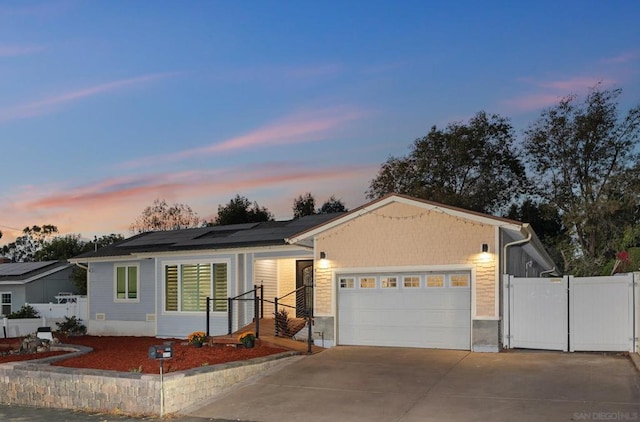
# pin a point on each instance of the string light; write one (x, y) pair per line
(418, 216)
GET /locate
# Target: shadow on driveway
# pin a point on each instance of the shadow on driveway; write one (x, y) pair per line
(399, 384)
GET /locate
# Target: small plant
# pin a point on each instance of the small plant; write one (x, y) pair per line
(197, 337)
(27, 311)
(247, 339)
(71, 326)
(283, 324)
(137, 370)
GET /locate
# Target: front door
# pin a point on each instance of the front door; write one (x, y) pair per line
(304, 297)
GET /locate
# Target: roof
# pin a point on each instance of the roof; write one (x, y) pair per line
(269, 233)
(519, 229)
(25, 272)
(395, 197)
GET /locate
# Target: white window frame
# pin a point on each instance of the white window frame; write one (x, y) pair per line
(404, 277)
(444, 281)
(350, 283)
(386, 278)
(369, 277)
(166, 264)
(459, 274)
(126, 283)
(3, 303)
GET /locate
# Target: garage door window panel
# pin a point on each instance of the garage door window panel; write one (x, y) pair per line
(411, 282)
(367, 282)
(459, 280)
(389, 282)
(435, 280)
(347, 283)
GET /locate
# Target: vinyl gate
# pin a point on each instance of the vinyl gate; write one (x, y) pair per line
(572, 313)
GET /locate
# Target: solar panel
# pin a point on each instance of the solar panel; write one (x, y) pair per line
(20, 268)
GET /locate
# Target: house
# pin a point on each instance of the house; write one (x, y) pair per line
(397, 271)
(33, 282)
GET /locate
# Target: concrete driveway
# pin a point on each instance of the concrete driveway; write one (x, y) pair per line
(390, 384)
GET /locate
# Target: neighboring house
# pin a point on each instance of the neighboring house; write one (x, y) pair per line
(33, 282)
(397, 271)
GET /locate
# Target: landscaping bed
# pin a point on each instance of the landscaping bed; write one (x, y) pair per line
(130, 354)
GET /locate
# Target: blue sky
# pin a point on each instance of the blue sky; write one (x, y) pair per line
(107, 105)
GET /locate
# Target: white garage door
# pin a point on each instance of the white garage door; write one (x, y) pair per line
(431, 310)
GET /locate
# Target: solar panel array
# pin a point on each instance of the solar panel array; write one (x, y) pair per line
(20, 268)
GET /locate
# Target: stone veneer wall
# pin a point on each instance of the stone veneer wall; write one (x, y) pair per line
(37, 384)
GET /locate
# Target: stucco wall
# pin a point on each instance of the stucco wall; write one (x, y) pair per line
(405, 235)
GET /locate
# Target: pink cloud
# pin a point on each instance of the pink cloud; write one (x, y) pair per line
(18, 50)
(622, 58)
(553, 91)
(48, 105)
(110, 205)
(297, 128)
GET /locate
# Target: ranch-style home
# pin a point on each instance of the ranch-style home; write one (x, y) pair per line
(32, 282)
(397, 271)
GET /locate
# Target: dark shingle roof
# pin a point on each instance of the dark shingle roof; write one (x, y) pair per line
(216, 237)
(23, 270)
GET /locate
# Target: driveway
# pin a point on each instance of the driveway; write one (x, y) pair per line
(391, 384)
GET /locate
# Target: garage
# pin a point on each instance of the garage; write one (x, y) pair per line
(428, 309)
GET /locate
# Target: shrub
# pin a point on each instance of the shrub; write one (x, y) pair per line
(283, 327)
(27, 311)
(71, 326)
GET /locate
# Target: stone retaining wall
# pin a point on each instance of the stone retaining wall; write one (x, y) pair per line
(36, 383)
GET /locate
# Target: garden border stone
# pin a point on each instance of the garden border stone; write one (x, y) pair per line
(37, 383)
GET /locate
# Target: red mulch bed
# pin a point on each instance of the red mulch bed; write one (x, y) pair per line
(131, 354)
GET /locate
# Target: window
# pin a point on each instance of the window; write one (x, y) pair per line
(459, 280)
(411, 281)
(187, 287)
(127, 282)
(6, 304)
(367, 282)
(347, 283)
(435, 280)
(389, 282)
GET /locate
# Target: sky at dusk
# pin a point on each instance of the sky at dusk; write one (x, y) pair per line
(108, 105)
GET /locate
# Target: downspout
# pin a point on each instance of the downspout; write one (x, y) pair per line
(514, 243)
(84, 267)
(547, 271)
(504, 257)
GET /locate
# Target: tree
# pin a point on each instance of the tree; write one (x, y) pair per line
(241, 210)
(61, 247)
(332, 205)
(26, 247)
(304, 205)
(473, 166)
(79, 275)
(160, 216)
(546, 221)
(583, 156)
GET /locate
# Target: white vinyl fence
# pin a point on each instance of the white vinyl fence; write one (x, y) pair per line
(73, 306)
(572, 313)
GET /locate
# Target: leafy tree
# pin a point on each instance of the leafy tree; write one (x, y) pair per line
(61, 247)
(473, 165)
(161, 216)
(583, 156)
(241, 210)
(26, 247)
(332, 205)
(304, 205)
(79, 275)
(546, 222)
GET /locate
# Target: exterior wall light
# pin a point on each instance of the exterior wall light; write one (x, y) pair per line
(485, 248)
(323, 255)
